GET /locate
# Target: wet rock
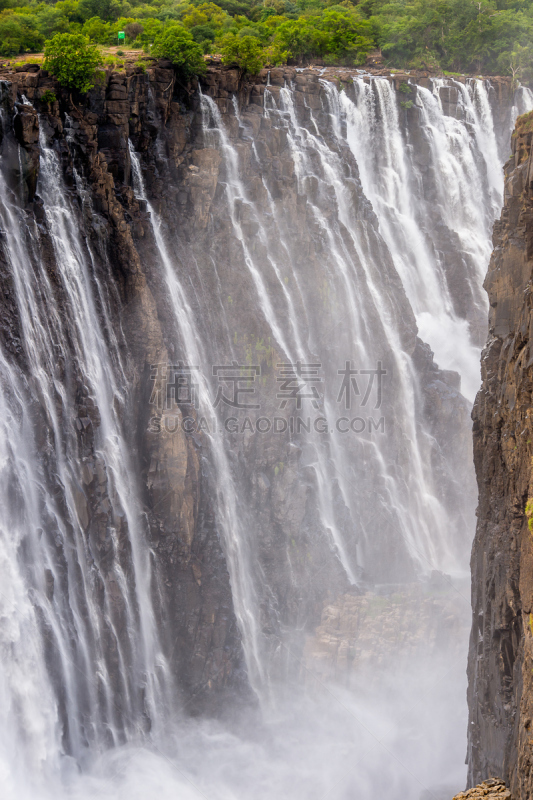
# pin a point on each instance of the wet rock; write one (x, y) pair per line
(500, 670)
(362, 634)
(26, 128)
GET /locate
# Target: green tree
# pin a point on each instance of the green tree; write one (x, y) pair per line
(202, 32)
(296, 37)
(109, 10)
(152, 29)
(97, 30)
(73, 60)
(517, 62)
(18, 34)
(178, 45)
(204, 35)
(51, 20)
(349, 36)
(246, 52)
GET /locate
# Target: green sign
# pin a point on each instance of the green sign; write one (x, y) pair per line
(121, 35)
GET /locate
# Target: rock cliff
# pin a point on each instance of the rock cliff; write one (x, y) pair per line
(185, 165)
(501, 647)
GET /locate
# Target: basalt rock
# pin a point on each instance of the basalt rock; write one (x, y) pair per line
(26, 128)
(500, 668)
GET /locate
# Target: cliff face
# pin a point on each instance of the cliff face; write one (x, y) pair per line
(294, 223)
(501, 648)
(193, 597)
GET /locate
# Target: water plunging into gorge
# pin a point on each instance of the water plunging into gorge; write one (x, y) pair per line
(231, 466)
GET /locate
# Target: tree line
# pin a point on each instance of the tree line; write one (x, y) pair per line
(472, 36)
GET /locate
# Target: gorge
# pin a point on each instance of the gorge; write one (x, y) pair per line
(240, 339)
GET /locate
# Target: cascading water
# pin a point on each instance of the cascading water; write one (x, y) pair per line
(522, 105)
(86, 578)
(453, 168)
(237, 545)
(336, 220)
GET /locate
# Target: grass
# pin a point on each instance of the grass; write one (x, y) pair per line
(128, 57)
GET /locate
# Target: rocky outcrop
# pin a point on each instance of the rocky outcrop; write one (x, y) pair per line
(492, 789)
(361, 635)
(501, 648)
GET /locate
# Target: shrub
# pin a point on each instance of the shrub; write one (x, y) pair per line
(120, 52)
(178, 45)
(246, 52)
(113, 62)
(97, 30)
(48, 97)
(73, 60)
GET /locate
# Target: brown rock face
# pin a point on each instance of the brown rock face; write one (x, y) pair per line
(26, 128)
(501, 647)
(362, 635)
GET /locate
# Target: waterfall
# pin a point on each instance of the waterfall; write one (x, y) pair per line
(237, 545)
(523, 103)
(451, 167)
(87, 585)
(416, 510)
(335, 233)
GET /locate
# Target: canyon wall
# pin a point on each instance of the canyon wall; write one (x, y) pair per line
(239, 222)
(501, 647)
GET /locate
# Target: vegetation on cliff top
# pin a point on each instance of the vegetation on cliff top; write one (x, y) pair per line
(73, 59)
(178, 45)
(489, 36)
(524, 124)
